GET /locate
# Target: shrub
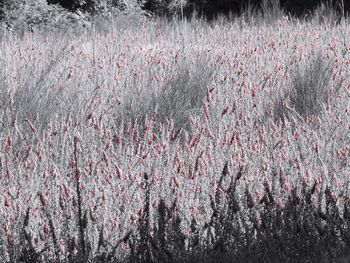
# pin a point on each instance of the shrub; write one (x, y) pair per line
(29, 15)
(158, 7)
(97, 6)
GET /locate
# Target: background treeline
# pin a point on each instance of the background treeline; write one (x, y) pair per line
(208, 8)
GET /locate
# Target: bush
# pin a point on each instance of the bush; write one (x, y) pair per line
(29, 15)
(21, 16)
(96, 6)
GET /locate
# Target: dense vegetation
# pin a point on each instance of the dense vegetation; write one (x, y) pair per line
(126, 138)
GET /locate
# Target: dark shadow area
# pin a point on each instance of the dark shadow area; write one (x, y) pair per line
(210, 9)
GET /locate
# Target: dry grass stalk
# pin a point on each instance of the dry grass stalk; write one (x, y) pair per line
(51, 226)
(82, 219)
(145, 253)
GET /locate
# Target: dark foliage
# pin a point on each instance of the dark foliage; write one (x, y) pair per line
(209, 9)
(212, 8)
(70, 5)
(89, 6)
(158, 7)
(2, 9)
(303, 7)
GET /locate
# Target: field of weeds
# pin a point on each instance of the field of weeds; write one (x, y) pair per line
(153, 141)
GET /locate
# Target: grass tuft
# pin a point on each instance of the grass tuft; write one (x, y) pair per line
(311, 87)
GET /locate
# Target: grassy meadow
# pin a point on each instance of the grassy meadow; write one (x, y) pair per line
(146, 140)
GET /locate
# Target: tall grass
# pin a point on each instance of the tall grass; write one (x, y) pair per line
(310, 89)
(143, 150)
